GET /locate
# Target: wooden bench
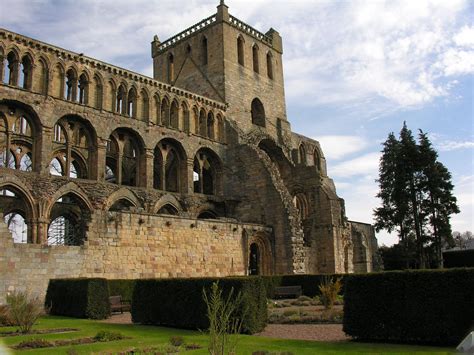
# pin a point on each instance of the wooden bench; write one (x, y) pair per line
(118, 305)
(287, 291)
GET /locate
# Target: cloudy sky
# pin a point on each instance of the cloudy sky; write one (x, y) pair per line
(354, 71)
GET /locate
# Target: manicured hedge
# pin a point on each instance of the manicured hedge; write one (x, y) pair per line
(308, 283)
(179, 302)
(122, 288)
(80, 298)
(459, 258)
(410, 306)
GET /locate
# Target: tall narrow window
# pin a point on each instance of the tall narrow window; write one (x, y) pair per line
(42, 84)
(269, 66)
(26, 73)
(145, 106)
(204, 50)
(98, 93)
(170, 68)
(255, 58)
(70, 87)
(82, 92)
(132, 103)
(11, 69)
(258, 113)
(240, 50)
(120, 105)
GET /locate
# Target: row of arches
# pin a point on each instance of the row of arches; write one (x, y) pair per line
(314, 158)
(68, 83)
(68, 214)
(74, 154)
(255, 57)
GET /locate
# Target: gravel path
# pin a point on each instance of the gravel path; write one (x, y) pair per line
(317, 332)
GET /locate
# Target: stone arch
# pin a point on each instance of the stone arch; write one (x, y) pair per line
(121, 99)
(170, 166)
(270, 65)
(258, 112)
(277, 155)
(156, 109)
(83, 87)
(168, 200)
(174, 114)
(110, 96)
(69, 188)
(165, 111)
(255, 59)
(241, 50)
(207, 172)
(202, 122)
(71, 78)
(301, 203)
(195, 119)
(59, 72)
(210, 124)
(27, 64)
(220, 134)
(302, 154)
(185, 123)
(259, 258)
(97, 91)
(11, 74)
(43, 79)
(144, 106)
(11, 182)
(121, 194)
(132, 100)
(207, 213)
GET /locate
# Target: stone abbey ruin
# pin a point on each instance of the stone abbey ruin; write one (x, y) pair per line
(194, 172)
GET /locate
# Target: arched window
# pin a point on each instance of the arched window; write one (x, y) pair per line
(122, 204)
(301, 203)
(317, 159)
(74, 147)
(70, 92)
(174, 115)
(68, 221)
(98, 92)
(302, 154)
(170, 68)
(204, 53)
(157, 109)
(196, 120)
(207, 215)
(255, 58)
(58, 81)
(269, 65)
(145, 106)
(185, 112)
(43, 77)
(202, 123)
(111, 97)
(83, 89)
(26, 73)
(16, 211)
(258, 113)
(240, 50)
(169, 166)
(168, 209)
(124, 158)
(120, 106)
(206, 172)
(132, 103)
(165, 112)
(210, 126)
(220, 129)
(10, 75)
(17, 139)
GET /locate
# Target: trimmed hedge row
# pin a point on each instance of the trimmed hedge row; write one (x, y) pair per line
(122, 288)
(80, 298)
(179, 302)
(425, 306)
(308, 283)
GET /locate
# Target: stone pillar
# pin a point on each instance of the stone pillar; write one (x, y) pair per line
(98, 161)
(118, 177)
(148, 167)
(42, 234)
(2, 68)
(189, 177)
(42, 158)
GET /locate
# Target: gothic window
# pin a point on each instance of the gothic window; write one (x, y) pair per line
(301, 203)
(10, 75)
(70, 92)
(157, 102)
(317, 159)
(122, 204)
(120, 106)
(206, 172)
(202, 123)
(43, 79)
(82, 89)
(170, 68)
(240, 50)
(68, 221)
(132, 103)
(98, 92)
(196, 120)
(165, 112)
(185, 112)
(207, 215)
(258, 113)
(16, 212)
(174, 115)
(220, 129)
(168, 209)
(210, 125)
(302, 154)
(169, 171)
(204, 53)
(255, 58)
(145, 106)
(58, 81)
(26, 73)
(269, 66)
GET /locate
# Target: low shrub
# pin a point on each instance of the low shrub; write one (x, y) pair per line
(176, 340)
(106, 335)
(309, 283)
(80, 298)
(23, 311)
(329, 291)
(5, 319)
(179, 302)
(34, 344)
(422, 306)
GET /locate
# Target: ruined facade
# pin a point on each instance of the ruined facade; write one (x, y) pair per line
(194, 172)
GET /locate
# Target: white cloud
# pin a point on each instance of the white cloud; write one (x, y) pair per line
(336, 147)
(447, 146)
(366, 164)
(465, 37)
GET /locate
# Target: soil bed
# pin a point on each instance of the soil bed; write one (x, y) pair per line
(15, 333)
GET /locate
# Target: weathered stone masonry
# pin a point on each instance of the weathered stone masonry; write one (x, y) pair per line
(195, 172)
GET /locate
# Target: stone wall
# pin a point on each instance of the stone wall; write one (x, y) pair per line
(130, 246)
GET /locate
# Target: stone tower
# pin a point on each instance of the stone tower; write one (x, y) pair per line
(227, 60)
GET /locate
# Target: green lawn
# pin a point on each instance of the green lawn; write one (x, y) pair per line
(149, 336)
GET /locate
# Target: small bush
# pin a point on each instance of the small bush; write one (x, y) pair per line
(176, 340)
(23, 311)
(5, 319)
(290, 312)
(34, 344)
(329, 290)
(106, 335)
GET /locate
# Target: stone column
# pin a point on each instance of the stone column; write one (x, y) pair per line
(189, 177)
(148, 167)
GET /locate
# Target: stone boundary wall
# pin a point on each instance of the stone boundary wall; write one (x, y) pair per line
(129, 246)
